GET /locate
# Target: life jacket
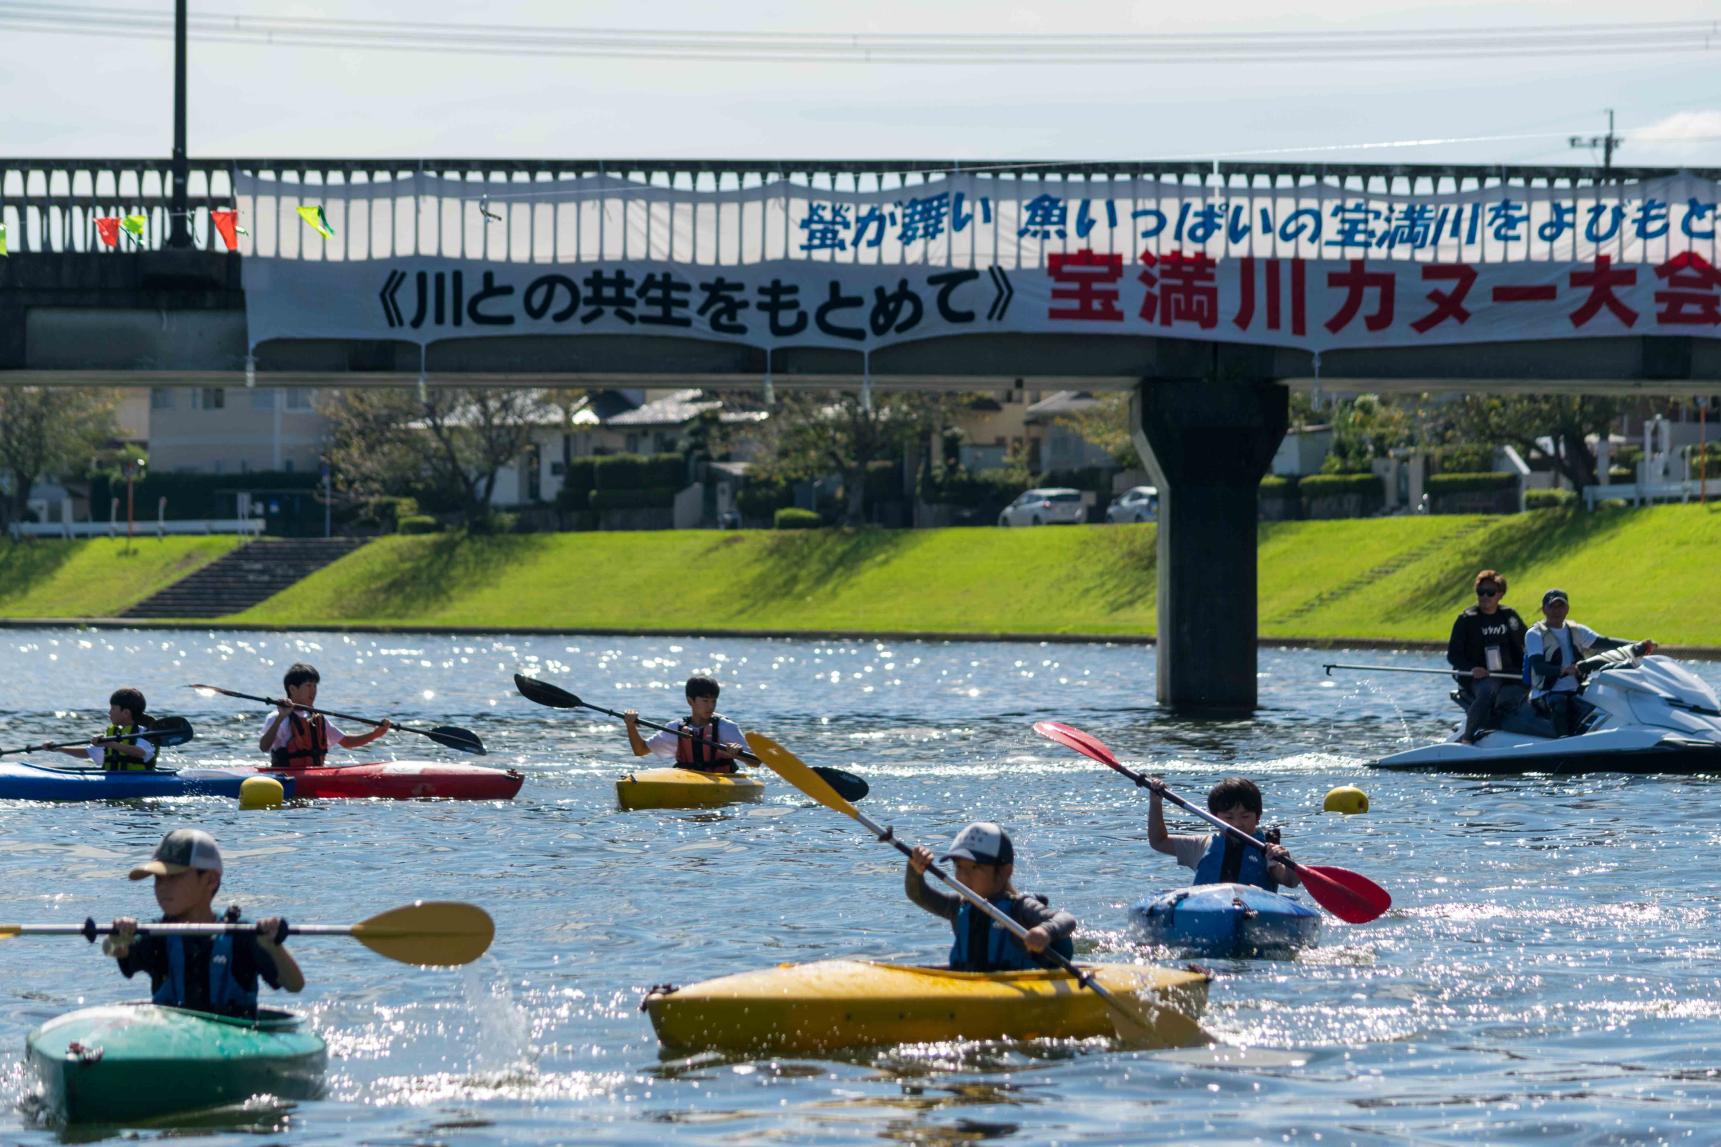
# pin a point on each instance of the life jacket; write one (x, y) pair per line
(117, 762)
(1554, 653)
(1226, 861)
(699, 751)
(307, 743)
(1004, 953)
(227, 996)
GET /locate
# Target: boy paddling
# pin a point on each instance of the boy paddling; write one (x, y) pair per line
(216, 974)
(985, 861)
(715, 742)
(298, 737)
(1216, 857)
(125, 716)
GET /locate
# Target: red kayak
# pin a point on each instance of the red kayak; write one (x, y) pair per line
(403, 780)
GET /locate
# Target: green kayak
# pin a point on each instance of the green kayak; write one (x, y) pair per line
(129, 1062)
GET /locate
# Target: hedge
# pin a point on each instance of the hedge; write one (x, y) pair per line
(1470, 482)
(1465, 459)
(1548, 499)
(989, 490)
(794, 518)
(1335, 485)
(649, 498)
(638, 471)
(418, 524)
(1279, 486)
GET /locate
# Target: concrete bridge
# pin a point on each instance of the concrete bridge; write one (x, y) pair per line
(171, 309)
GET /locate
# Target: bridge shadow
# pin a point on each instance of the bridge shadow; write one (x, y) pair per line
(1120, 565)
(446, 568)
(24, 565)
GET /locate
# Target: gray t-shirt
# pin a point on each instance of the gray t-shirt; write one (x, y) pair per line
(1188, 847)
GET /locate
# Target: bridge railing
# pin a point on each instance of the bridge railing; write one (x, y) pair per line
(50, 206)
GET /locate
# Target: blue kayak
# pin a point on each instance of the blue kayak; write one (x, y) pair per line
(20, 780)
(1227, 921)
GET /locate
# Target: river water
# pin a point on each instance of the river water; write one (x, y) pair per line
(1547, 973)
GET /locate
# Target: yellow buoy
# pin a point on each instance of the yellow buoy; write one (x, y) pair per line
(1347, 799)
(261, 792)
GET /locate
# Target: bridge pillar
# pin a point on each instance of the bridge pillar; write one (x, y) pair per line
(1207, 442)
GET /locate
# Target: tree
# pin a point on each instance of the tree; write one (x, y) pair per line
(812, 435)
(445, 450)
(1105, 424)
(1565, 422)
(49, 431)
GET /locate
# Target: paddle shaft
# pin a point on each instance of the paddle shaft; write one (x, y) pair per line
(325, 712)
(89, 929)
(1416, 669)
(1009, 924)
(140, 734)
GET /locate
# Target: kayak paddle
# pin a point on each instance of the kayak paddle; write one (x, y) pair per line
(1128, 1014)
(166, 732)
(1416, 669)
(450, 736)
(1350, 896)
(430, 933)
(850, 786)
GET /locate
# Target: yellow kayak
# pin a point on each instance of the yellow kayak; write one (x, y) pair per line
(835, 1004)
(685, 788)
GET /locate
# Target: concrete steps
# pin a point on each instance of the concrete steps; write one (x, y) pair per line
(250, 574)
(1399, 561)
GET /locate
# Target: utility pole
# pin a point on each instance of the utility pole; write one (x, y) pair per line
(178, 213)
(1606, 142)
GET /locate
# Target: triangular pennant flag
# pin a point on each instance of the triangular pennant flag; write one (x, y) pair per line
(317, 221)
(3, 250)
(227, 223)
(108, 227)
(133, 225)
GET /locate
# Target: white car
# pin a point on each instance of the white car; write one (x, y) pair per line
(1136, 504)
(1045, 507)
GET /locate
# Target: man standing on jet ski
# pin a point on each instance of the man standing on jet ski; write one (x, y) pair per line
(1552, 649)
(1487, 643)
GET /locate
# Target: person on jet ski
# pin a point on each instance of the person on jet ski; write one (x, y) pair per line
(1487, 643)
(1552, 649)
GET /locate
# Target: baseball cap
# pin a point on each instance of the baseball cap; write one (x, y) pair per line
(982, 842)
(179, 850)
(1554, 595)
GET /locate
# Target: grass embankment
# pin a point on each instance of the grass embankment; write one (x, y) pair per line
(96, 577)
(1650, 572)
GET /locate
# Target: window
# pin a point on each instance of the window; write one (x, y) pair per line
(211, 398)
(160, 398)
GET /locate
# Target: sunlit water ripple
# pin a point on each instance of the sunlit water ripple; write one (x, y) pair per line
(1545, 975)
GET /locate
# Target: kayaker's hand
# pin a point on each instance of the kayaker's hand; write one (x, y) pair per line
(1277, 854)
(1570, 671)
(267, 929)
(734, 748)
(1037, 939)
(1480, 672)
(920, 859)
(1156, 787)
(284, 708)
(384, 727)
(631, 718)
(118, 942)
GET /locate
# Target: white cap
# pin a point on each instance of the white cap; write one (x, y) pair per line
(982, 842)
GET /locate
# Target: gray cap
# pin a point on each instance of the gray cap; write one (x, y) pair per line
(180, 850)
(982, 842)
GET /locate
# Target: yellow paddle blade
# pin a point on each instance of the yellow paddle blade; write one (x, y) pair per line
(798, 773)
(431, 933)
(1141, 1022)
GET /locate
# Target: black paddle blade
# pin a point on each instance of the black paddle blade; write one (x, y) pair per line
(465, 740)
(847, 785)
(169, 731)
(545, 693)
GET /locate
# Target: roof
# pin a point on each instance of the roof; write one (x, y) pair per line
(678, 408)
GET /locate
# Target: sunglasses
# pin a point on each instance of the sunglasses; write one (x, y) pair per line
(1487, 593)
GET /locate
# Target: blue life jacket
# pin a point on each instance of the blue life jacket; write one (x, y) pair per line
(1230, 862)
(1004, 953)
(226, 995)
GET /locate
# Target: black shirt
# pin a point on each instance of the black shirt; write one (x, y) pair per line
(250, 962)
(1475, 631)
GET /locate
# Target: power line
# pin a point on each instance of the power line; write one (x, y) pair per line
(901, 48)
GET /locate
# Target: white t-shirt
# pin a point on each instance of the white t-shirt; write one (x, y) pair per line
(284, 731)
(1559, 653)
(728, 732)
(98, 753)
(1189, 847)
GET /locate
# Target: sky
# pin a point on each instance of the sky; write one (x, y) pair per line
(107, 92)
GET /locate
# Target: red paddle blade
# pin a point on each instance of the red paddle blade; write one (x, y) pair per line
(1081, 742)
(1350, 896)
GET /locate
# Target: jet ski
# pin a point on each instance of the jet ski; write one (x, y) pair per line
(1636, 715)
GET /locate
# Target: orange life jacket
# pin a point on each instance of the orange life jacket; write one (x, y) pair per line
(700, 751)
(307, 743)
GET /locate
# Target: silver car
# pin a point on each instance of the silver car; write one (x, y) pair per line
(1044, 507)
(1136, 504)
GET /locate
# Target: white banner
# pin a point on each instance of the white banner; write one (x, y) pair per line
(786, 264)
